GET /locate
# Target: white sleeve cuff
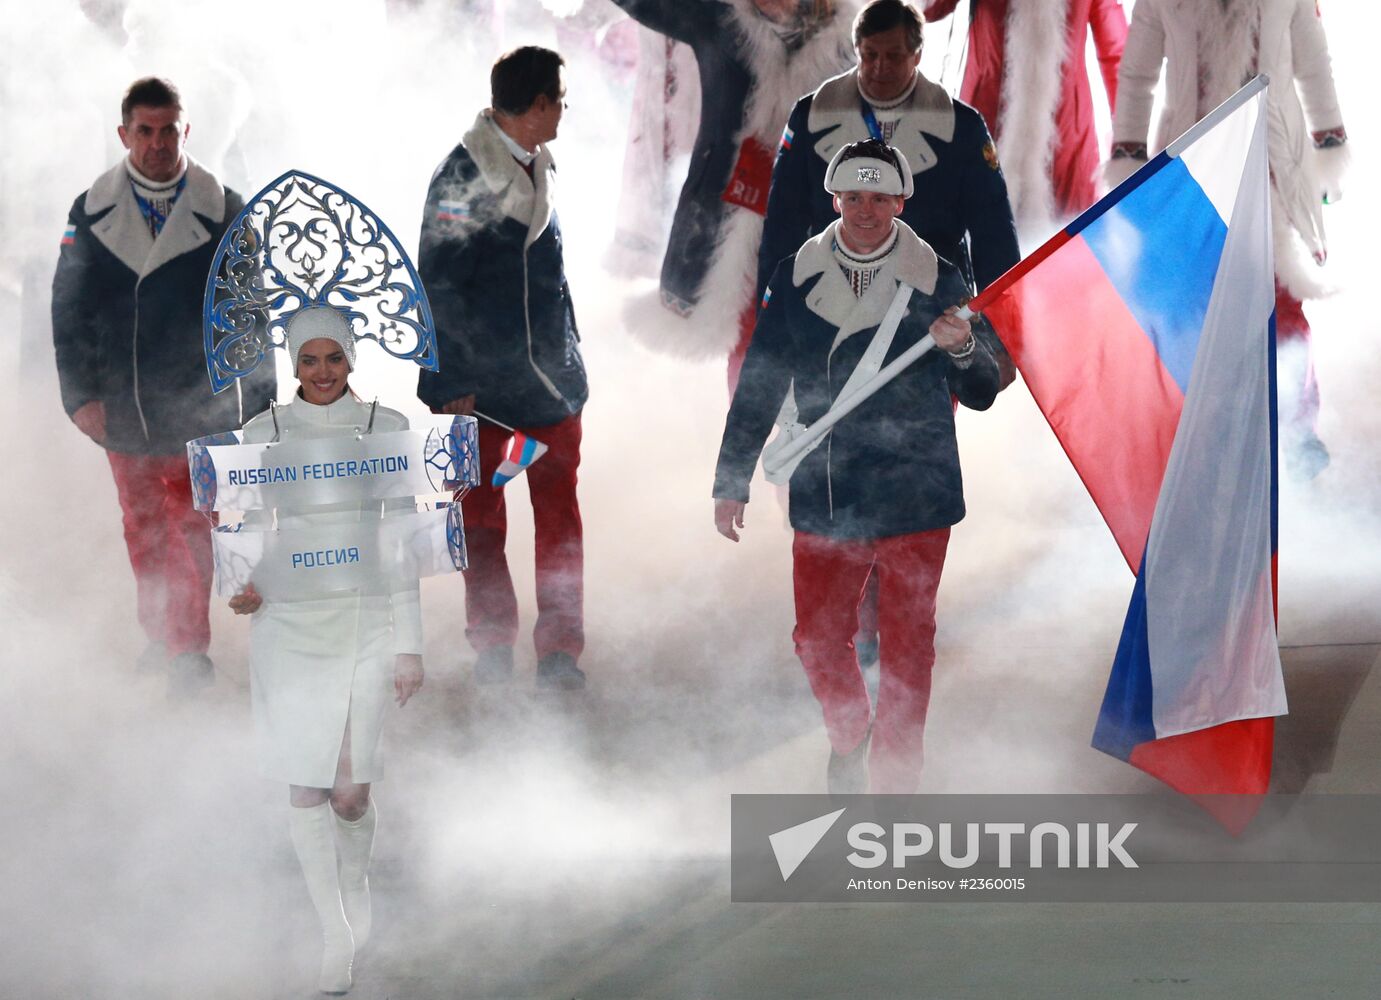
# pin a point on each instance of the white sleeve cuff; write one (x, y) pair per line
(407, 621)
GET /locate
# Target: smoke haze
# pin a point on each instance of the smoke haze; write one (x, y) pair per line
(141, 853)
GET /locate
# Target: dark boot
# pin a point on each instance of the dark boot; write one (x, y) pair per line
(558, 671)
(189, 674)
(1306, 457)
(847, 773)
(495, 665)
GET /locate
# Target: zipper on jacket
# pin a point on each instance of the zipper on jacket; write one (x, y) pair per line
(527, 322)
(829, 477)
(138, 404)
(829, 440)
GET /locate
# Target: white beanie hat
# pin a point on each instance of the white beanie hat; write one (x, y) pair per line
(320, 322)
(869, 173)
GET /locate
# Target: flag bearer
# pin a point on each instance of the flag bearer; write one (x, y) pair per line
(883, 488)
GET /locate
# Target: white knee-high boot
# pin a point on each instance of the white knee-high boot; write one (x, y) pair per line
(356, 845)
(314, 837)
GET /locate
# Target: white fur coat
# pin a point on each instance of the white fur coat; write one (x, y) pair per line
(1210, 48)
(1036, 52)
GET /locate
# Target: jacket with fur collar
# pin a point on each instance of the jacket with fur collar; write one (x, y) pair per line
(127, 328)
(960, 190)
(892, 466)
(1040, 108)
(491, 260)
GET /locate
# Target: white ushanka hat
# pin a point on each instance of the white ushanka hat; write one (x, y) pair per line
(316, 323)
(868, 173)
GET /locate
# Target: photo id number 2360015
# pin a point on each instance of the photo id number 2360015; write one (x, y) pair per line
(981, 884)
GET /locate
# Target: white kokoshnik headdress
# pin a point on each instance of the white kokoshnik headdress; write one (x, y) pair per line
(305, 259)
(869, 173)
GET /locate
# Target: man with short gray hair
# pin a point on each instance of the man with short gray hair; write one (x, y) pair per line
(960, 207)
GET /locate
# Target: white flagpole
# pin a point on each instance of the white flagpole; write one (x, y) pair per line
(1208, 121)
(793, 452)
(496, 423)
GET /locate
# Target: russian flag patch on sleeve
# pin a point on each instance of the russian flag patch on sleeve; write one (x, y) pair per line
(787, 136)
(453, 211)
(69, 236)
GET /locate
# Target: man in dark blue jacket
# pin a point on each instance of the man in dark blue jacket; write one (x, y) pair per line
(960, 206)
(127, 333)
(509, 352)
(883, 488)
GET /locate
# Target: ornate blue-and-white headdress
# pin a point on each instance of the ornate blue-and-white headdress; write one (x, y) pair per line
(299, 246)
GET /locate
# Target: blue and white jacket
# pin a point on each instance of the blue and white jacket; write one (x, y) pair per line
(127, 307)
(960, 206)
(891, 467)
(491, 261)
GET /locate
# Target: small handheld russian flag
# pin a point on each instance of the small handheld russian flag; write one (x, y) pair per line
(522, 452)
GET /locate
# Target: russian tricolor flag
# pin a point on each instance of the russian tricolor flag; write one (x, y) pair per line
(453, 211)
(522, 452)
(1145, 332)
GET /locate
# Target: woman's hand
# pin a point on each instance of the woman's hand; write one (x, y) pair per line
(247, 601)
(407, 676)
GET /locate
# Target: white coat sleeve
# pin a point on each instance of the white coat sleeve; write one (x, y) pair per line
(405, 597)
(407, 620)
(1313, 69)
(1139, 73)
(258, 430)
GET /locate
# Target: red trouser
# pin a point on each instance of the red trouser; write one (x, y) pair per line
(169, 546)
(491, 607)
(1302, 398)
(829, 577)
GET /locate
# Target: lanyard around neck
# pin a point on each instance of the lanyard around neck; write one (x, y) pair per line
(152, 214)
(870, 119)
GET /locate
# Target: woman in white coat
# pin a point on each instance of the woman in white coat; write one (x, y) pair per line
(324, 670)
